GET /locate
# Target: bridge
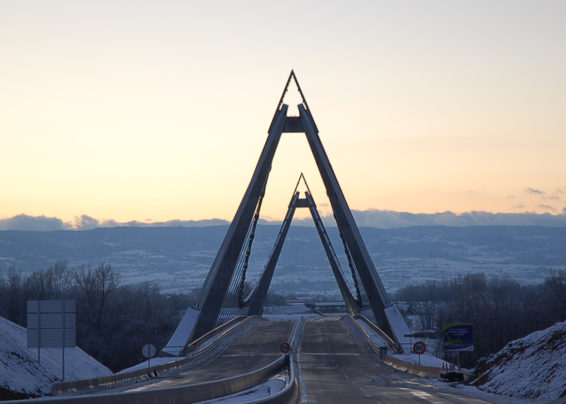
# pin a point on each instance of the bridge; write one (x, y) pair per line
(225, 350)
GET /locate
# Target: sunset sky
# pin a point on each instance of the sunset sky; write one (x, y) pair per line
(158, 110)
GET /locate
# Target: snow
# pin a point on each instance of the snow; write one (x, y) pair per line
(153, 362)
(182, 333)
(20, 371)
(533, 367)
(398, 324)
(425, 359)
(376, 338)
(259, 392)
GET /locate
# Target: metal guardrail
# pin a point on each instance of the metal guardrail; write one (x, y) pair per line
(296, 335)
(413, 368)
(185, 394)
(289, 394)
(194, 358)
(374, 347)
(212, 389)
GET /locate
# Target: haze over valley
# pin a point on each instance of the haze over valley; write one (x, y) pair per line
(177, 259)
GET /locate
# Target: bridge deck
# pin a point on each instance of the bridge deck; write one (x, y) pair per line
(254, 349)
(335, 369)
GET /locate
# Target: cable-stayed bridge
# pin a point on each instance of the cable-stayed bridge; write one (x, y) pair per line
(222, 293)
(224, 350)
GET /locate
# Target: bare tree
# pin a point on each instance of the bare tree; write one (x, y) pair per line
(96, 286)
(556, 283)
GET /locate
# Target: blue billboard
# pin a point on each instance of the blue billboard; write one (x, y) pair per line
(458, 337)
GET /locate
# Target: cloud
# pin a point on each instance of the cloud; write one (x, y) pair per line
(85, 222)
(547, 207)
(391, 219)
(554, 197)
(530, 190)
(39, 223)
(364, 218)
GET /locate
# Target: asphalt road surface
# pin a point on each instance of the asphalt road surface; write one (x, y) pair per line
(334, 368)
(252, 350)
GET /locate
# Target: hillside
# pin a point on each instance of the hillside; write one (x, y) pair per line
(533, 367)
(178, 258)
(22, 376)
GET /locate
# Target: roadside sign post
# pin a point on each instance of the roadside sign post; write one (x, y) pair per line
(51, 324)
(148, 350)
(285, 347)
(419, 348)
(457, 337)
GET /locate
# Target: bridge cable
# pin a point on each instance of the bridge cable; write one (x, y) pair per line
(351, 265)
(241, 302)
(230, 305)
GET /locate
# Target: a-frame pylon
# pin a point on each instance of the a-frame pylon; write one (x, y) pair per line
(203, 315)
(257, 296)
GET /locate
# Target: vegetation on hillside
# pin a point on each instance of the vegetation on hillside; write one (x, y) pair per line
(500, 309)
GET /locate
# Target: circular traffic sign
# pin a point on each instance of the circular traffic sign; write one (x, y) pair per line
(148, 350)
(284, 347)
(419, 347)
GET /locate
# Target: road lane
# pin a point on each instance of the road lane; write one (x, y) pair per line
(335, 369)
(254, 349)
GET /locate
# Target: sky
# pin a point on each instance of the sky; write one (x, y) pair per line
(158, 110)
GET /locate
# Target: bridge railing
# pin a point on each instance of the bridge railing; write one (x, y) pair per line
(194, 358)
(213, 389)
(391, 344)
(290, 393)
(414, 369)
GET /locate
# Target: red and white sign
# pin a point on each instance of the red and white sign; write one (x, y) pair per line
(284, 347)
(419, 347)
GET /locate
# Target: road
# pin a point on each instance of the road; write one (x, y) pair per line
(335, 368)
(254, 349)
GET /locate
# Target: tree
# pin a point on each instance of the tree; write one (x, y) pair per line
(96, 286)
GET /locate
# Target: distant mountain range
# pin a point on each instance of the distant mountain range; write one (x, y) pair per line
(384, 219)
(178, 258)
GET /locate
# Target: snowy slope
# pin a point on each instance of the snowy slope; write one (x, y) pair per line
(533, 367)
(21, 373)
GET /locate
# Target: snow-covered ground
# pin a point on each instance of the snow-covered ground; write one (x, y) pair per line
(398, 324)
(528, 370)
(426, 359)
(152, 362)
(260, 392)
(533, 367)
(20, 371)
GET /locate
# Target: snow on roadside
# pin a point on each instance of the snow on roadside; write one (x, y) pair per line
(152, 363)
(425, 360)
(398, 323)
(256, 393)
(533, 367)
(20, 371)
